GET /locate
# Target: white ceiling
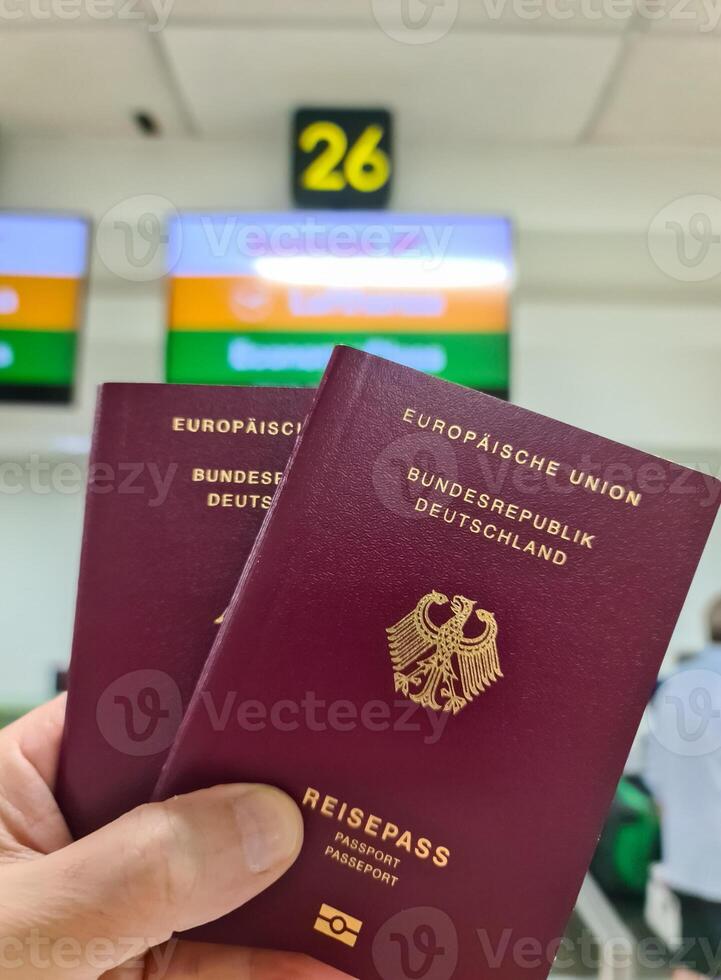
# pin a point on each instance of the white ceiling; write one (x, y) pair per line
(628, 72)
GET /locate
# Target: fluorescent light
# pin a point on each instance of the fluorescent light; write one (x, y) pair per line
(358, 272)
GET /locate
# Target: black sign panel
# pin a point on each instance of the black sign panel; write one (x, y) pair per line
(342, 158)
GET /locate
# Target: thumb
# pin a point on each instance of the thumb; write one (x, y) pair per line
(163, 868)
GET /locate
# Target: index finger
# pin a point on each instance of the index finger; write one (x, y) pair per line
(38, 736)
(29, 752)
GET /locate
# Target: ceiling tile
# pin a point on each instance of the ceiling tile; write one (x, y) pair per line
(83, 80)
(475, 85)
(666, 93)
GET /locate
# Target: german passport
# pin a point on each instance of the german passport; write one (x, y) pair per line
(441, 646)
(180, 480)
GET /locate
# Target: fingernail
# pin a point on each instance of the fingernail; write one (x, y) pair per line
(270, 828)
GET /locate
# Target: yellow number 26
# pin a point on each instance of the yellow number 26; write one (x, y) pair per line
(365, 166)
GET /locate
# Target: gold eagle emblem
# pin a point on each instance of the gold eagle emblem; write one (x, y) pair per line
(457, 667)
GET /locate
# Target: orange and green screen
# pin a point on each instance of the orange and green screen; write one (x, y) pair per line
(43, 262)
(263, 298)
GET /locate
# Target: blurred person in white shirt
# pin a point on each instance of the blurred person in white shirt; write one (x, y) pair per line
(683, 771)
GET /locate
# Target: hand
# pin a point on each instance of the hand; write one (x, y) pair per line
(109, 904)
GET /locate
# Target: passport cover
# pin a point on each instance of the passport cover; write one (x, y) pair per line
(180, 479)
(441, 646)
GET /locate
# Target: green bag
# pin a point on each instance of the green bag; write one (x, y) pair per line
(630, 842)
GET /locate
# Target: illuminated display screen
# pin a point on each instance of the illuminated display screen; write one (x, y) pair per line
(43, 267)
(262, 298)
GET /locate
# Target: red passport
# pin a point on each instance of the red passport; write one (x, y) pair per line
(441, 646)
(180, 480)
